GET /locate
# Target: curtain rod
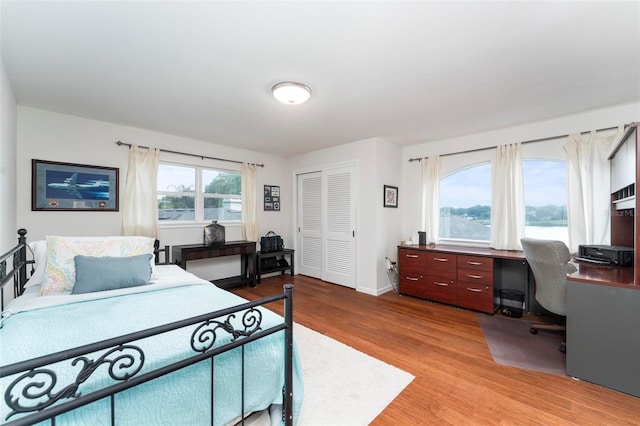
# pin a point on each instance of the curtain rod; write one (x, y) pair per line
(523, 143)
(120, 143)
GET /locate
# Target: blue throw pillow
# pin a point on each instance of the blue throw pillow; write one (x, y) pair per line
(111, 273)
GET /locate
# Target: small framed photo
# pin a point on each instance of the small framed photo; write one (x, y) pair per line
(73, 187)
(390, 196)
(271, 198)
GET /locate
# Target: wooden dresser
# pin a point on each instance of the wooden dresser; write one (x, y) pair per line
(456, 276)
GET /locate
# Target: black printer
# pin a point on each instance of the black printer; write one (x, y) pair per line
(605, 255)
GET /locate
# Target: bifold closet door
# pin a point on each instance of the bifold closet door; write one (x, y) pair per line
(326, 225)
(339, 230)
(310, 224)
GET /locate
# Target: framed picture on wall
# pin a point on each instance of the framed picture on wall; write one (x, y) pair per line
(271, 198)
(73, 187)
(390, 196)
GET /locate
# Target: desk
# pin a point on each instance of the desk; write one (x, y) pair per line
(469, 277)
(246, 249)
(603, 327)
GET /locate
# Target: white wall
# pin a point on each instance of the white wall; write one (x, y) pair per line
(576, 123)
(377, 162)
(8, 142)
(51, 136)
(388, 227)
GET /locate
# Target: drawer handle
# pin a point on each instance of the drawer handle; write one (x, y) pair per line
(474, 263)
(411, 255)
(412, 279)
(475, 290)
(475, 277)
(440, 259)
(441, 284)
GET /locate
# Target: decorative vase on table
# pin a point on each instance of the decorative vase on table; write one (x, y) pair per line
(214, 233)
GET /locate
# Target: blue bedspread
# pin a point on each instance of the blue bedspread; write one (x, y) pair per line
(182, 397)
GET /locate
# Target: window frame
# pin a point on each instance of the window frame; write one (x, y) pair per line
(199, 196)
(547, 150)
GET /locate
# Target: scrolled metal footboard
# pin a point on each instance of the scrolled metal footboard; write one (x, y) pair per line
(32, 391)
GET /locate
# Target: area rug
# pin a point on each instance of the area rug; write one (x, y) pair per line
(343, 386)
(511, 343)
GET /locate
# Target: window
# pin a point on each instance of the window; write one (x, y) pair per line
(465, 204)
(197, 194)
(545, 199)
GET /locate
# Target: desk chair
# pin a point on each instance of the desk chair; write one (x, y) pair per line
(549, 262)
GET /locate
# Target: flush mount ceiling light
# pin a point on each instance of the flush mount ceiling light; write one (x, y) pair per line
(291, 92)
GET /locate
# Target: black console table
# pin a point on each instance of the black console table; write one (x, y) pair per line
(283, 253)
(246, 250)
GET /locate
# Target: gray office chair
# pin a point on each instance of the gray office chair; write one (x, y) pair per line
(549, 262)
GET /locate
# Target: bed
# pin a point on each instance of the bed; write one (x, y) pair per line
(175, 350)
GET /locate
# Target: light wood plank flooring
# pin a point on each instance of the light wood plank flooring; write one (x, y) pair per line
(457, 382)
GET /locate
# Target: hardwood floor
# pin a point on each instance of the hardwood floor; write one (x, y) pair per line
(456, 380)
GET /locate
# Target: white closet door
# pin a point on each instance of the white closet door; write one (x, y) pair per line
(339, 231)
(310, 224)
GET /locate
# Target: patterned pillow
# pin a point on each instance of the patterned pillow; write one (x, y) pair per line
(60, 274)
(39, 250)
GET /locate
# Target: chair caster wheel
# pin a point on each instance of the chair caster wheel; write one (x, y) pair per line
(533, 330)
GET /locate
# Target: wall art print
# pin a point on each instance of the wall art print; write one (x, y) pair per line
(390, 196)
(73, 187)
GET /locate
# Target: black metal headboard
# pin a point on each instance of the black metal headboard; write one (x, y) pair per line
(157, 250)
(18, 264)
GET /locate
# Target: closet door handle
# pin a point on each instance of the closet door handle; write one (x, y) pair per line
(475, 290)
(412, 279)
(475, 277)
(474, 263)
(411, 255)
(441, 284)
(440, 259)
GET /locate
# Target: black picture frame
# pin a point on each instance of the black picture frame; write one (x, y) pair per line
(271, 198)
(390, 196)
(58, 186)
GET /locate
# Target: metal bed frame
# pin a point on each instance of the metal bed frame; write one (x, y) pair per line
(37, 377)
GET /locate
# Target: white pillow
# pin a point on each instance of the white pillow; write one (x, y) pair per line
(39, 250)
(60, 274)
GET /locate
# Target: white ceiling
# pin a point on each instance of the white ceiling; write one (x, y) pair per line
(409, 72)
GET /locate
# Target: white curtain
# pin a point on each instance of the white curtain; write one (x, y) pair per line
(507, 199)
(430, 218)
(588, 188)
(140, 207)
(249, 203)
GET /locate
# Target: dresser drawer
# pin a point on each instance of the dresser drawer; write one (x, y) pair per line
(478, 263)
(441, 290)
(478, 297)
(475, 277)
(441, 265)
(413, 285)
(412, 261)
